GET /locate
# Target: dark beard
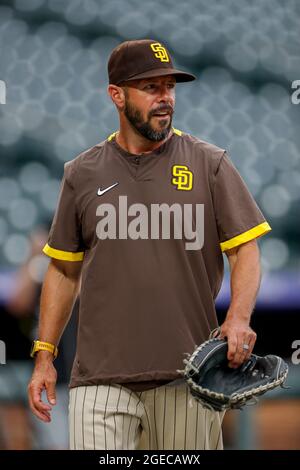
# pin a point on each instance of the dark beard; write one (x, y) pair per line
(134, 116)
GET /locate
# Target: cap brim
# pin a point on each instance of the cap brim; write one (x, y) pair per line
(178, 74)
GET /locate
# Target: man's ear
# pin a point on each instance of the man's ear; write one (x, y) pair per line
(117, 95)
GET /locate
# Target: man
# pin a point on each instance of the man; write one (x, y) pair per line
(143, 218)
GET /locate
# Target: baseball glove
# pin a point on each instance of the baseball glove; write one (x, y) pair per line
(219, 387)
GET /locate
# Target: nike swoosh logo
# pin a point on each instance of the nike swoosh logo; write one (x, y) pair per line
(102, 191)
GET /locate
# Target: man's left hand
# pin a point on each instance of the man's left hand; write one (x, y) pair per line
(241, 340)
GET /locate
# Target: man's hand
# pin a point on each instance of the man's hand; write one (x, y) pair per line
(43, 378)
(238, 334)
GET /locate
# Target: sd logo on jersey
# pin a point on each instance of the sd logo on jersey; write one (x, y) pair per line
(182, 177)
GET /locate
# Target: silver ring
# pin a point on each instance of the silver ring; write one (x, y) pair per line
(246, 347)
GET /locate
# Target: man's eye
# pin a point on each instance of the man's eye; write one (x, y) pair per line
(153, 86)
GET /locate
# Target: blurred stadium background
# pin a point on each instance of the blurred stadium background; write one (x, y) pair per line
(53, 57)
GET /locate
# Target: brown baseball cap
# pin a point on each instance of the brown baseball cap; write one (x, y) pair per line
(144, 58)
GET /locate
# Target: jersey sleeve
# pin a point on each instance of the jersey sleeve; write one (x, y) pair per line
(64, 240)
(238, 217)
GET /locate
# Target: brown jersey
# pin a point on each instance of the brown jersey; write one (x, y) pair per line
(150, 230)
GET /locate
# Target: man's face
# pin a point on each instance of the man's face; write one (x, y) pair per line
(149, 106)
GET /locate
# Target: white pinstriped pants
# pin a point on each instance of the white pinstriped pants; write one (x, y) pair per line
(112, 417)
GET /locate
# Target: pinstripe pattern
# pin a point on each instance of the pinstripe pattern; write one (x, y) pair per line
(147, 428)
(96, 392)
(155, 417)
(71, 413)
(137, 422)
(115, 434)
(210, 430)
(196, 431)
(165, 418)
(82, 416)
(218, 441)
(186, 415)
(105, 411)
(127, 433)
(204, 430)
(74, 416)
(175, 409)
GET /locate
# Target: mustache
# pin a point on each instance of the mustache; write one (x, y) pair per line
(164, 108)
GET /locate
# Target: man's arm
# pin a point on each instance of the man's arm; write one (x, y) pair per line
(59, 292)
(245, 272)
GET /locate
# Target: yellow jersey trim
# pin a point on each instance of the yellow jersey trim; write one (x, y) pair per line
(113, 135)
(177, 131)
(254, 232)
(63, 255)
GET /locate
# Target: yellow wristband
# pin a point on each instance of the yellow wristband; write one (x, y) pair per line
(43, 346)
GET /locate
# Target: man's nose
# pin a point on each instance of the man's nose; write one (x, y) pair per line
(165, 94)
